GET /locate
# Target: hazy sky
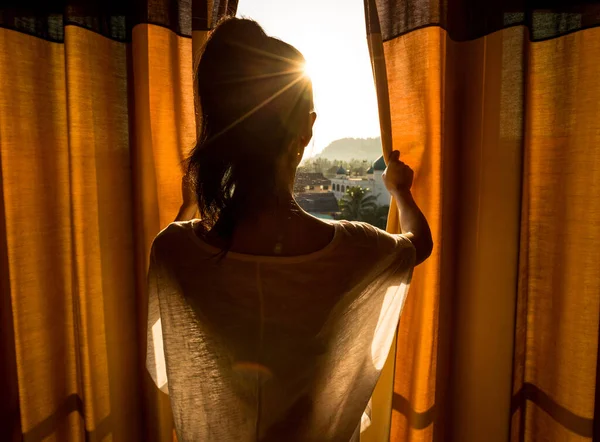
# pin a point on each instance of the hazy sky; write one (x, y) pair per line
(331, 35)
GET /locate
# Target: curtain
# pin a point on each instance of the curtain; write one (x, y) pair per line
(96, 116)
(495, 105)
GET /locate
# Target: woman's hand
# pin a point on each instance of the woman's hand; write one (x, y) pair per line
(398, 177)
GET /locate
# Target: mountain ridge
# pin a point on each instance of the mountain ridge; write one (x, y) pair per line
(346, 149)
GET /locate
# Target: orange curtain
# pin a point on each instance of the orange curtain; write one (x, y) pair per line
(496, 110)
(96, 115)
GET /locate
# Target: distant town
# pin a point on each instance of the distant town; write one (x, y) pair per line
(350, 189)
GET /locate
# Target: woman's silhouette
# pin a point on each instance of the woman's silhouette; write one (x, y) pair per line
(265, 323)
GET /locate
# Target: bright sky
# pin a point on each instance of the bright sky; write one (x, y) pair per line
(331, 35)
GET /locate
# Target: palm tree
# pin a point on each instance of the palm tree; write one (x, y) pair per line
(377, 217)
(357, 203)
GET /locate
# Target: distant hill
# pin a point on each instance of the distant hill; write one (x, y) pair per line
(348, 149)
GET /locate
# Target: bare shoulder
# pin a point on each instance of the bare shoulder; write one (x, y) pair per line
(317, 232)
(174, 232)
(370, 236)
(360, 229)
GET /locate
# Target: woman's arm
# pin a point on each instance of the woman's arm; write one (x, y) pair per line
(186, 213)
(414, 225)
(398, 178)
(188, 208)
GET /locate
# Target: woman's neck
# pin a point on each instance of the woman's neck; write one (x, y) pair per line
(276, 230)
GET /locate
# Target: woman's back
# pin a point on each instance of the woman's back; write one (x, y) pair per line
(265, 323)
(273, 348)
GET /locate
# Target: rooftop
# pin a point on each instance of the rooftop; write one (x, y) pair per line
(318, 202)
(304, 179)
(379, 164)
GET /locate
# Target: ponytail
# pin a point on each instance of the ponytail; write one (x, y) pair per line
(254, 98)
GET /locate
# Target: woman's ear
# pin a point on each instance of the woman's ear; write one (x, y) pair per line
(305, 137)
(311, 122)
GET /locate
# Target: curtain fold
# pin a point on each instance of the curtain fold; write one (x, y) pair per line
(494, 107)
(96, 116)
(380, 409)
(559, 290)
(164, 131)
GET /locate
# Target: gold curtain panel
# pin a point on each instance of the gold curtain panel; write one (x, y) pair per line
(496, 108)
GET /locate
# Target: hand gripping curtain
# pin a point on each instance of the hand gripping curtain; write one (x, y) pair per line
(495, 105)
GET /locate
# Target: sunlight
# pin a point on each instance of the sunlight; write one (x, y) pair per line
(308, 70)
(333, 40)
(387, 324)
(261, 104)
(159, 357)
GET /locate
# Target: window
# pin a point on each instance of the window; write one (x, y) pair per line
(338, 62)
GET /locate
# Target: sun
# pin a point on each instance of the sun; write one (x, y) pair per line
(308, 70)
(337, 63)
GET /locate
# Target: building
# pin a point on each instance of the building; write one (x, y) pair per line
(320, 204)
(313, 193)
(311, 182)
(372, 181)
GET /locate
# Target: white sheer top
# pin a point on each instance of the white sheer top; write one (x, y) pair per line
(256, 348)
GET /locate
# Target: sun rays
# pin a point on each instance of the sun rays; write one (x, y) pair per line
(298, 78)
(338, 62)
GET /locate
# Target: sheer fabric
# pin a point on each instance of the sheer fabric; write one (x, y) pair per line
(273, 348)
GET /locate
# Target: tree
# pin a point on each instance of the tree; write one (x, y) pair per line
(358, 167)
(321, 164)
(331, 172)
(316, 165)
(377, 217)
(357, 203)
(327, 167)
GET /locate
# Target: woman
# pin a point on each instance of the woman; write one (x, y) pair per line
(272, 325)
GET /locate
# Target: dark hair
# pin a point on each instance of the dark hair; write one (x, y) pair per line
(253, 98)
